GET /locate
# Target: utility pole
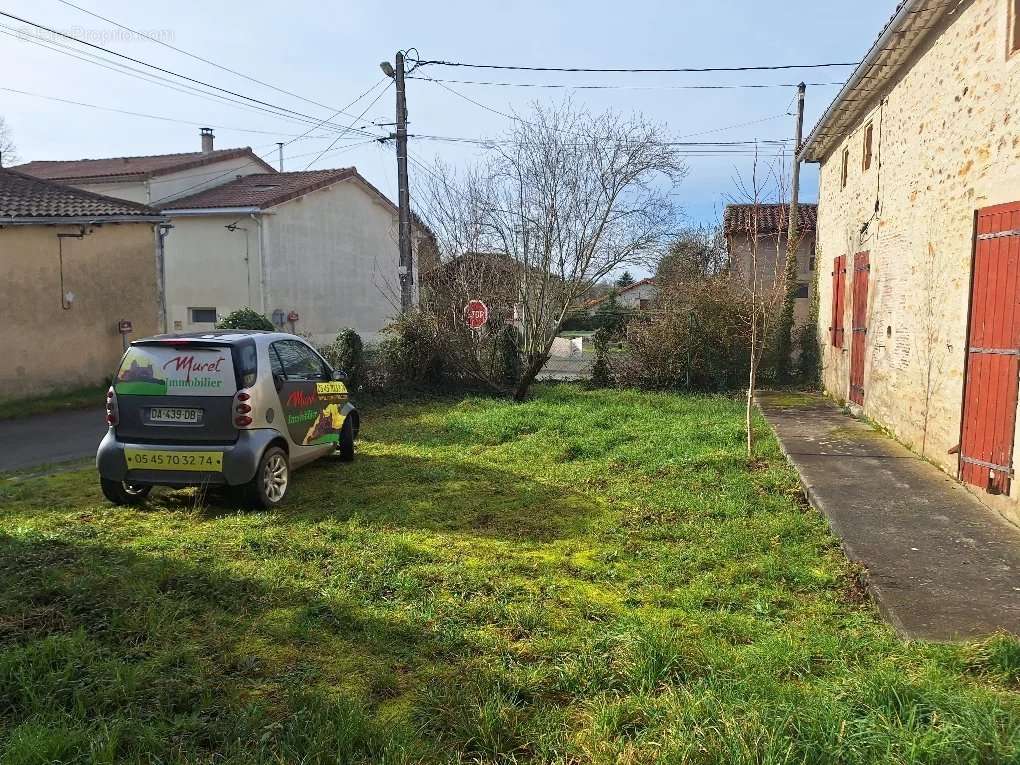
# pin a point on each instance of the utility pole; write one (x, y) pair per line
(793, 232)
(405, 269)
(279, 149)
(784, 329)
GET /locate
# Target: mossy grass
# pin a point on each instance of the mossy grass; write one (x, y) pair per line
(589, 577)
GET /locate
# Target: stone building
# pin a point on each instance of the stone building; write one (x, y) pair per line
(919, 237)
(770, 222)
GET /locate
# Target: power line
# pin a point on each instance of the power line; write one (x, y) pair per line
(200, 58)
(624, 87)
(341, 135)
(635, 70)
(124, 69)
(155, 67)
(162, 117)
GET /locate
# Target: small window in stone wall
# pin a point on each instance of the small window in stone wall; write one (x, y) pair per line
(202, 315)
(802, 290)
(1014, 26)
(869, 135)
(845, 170)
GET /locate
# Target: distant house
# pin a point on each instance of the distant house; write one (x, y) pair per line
(639, 296)
(314, 250)
(919, 228)
(73, 265)
(771, 223)
(153, 179)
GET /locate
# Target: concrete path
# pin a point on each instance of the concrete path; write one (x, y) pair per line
(49, 438)
(941, 565)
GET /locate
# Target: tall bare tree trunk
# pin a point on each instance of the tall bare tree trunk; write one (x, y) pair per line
(751, 382)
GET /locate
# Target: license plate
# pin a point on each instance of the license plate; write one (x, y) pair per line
(151, 459)
(182, 415)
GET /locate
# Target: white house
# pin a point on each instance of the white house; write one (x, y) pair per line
(639, 296)
(154, 179)
(315, 250)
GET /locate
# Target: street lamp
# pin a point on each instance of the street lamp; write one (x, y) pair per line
(387, 68)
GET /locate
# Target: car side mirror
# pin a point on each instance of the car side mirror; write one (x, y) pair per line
(340, 376)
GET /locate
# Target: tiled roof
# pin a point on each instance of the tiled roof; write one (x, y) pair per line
(772, 219)
(264, 190)
(618, 291)
(25, 197)
(139, 168)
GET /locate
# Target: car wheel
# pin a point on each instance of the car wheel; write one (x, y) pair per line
(272, 479)
(345, 445)
(125, 492)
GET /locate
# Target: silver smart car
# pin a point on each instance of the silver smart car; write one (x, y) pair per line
(233, 408)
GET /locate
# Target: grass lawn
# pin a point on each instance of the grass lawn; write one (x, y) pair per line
(585, 578)
(63, 401)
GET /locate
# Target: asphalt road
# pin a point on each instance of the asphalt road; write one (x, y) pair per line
(50, 438)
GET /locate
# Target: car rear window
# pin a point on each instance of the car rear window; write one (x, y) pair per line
(176, 370)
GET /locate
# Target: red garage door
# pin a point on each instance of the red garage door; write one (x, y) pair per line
(993, 352)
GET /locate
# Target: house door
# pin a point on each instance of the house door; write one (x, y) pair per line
(993, 352)
(859, 326)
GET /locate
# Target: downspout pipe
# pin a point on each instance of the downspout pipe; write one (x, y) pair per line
(892, 30)
(262, 262)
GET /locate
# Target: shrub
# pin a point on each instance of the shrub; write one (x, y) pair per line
(245, 318)
(412, 351)
(347, 353)
(601, 372)
(508, 355)
(695, 340)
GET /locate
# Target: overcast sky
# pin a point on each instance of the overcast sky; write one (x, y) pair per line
(329, 53)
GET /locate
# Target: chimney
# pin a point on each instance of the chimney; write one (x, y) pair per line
(207, 140)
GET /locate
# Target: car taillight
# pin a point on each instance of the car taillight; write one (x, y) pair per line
(242, 409)
(111, 407)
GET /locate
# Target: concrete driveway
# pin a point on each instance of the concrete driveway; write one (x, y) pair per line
(50, 438)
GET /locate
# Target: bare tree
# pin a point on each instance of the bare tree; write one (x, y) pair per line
(568, 198)
(8, 151)
(765, 280)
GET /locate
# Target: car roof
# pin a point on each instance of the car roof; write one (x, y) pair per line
(227, 336)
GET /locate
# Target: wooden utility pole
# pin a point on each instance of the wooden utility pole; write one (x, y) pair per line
(794, 227)
(784, 328)
(403, 193)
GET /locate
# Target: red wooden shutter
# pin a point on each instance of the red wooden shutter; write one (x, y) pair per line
(836, 327)
(993, 352)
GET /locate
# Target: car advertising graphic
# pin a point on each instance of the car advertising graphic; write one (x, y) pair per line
(155, 371)
(314, 411)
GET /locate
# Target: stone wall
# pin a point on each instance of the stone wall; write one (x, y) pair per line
(945, 145)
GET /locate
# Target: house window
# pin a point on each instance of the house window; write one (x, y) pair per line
(845, 171)
(869, 134)
(202, 315)
(802, 290)
(1014, 26)
(644, 304)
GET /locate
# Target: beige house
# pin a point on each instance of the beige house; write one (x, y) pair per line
(638, 296)
(919, 237)
(770, 223)
(73, 265)
(155, 179)
(315, 250)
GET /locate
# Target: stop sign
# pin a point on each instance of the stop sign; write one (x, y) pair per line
(477, 314)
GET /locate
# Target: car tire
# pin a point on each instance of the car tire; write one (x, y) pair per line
(272, 480)
(124, 492)
(345, 444)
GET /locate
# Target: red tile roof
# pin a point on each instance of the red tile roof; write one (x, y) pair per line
(264, 190)
(26, 197)
(772, 219)
(133, 168)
